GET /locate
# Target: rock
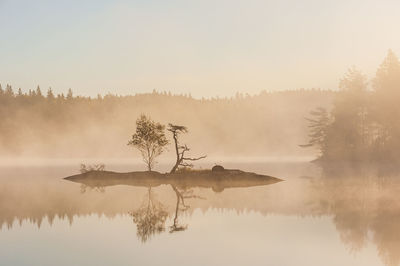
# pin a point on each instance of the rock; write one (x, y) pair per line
(217, 168)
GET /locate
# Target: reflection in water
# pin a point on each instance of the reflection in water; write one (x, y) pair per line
(181, 206)
(150, 217)
(364, 205)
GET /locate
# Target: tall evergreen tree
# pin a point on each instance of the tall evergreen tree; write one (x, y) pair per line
(20, 94)
(346, 136)
(386, 106)
(9, 92)
(50, 94)
(319, 123)
(70, 94)
(39, 92)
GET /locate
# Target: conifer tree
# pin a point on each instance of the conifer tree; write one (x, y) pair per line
(9, 92)
(50, 94)
(70, 94)
(318, 127)
(39, 92)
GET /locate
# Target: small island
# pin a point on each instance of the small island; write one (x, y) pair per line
(217, 178)
(151, 141)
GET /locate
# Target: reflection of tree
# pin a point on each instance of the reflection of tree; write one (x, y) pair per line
(181, 195)
(95, 188)
(363, 207)
(386, 228)
(150, 217)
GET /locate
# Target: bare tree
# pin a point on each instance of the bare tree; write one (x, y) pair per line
(181, 206)
(149, 139)
(180, 150)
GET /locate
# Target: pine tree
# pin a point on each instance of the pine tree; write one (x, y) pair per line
(386, 107)
(346, 138)
(38, 92)
(70, 94)
(344, 133)
(318, 127)
(32, 93)
(9, 92)
(50, 95)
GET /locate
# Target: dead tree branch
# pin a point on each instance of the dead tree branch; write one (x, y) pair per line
(180, 150)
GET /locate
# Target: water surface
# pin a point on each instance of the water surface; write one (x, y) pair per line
(311, 218)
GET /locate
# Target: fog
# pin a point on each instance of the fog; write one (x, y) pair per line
(362, 204)
(265, 125)
(223, 132)
(349, 193)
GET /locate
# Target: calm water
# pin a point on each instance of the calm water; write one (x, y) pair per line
(309, 219)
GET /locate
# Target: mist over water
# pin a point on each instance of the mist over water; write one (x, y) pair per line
(349, 219)
(289, 170)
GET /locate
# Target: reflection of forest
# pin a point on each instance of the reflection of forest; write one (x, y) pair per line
(364, 206)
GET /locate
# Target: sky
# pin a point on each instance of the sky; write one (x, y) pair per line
(205, 48)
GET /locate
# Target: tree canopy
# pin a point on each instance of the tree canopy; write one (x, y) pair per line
(363, 125)
(149, 139)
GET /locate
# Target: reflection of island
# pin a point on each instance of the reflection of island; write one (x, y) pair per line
(150, 217)
(364, 206)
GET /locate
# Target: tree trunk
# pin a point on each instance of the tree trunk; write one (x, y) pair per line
(178, 161)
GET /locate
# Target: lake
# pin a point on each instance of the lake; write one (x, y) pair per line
(311, 218)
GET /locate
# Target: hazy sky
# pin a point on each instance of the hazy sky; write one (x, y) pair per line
(204, 47)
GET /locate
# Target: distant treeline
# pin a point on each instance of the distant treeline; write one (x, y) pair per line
(364, 124)
(43, 124)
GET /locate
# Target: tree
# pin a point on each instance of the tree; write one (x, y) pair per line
(70, 94)
(386, 106)
(348, 134)
(180, 150)
(387, 79)
(31, 93)
(318, 127)
(39, 92)
(344, 134)
(20, 94)
(9, 92)
(50, 94)
(149, 139)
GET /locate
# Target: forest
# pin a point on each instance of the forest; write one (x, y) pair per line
(38, 123)
(359, 122)
(363, 124)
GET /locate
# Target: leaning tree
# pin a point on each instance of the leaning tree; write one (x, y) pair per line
(149, 139)
(180, 150)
